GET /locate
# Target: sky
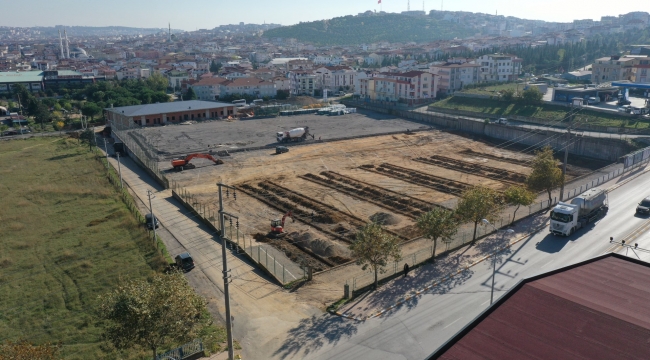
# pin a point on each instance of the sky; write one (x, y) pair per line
(207, 14)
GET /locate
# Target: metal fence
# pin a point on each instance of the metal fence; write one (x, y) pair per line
(267, 257)
(466, 235)
(182, 352)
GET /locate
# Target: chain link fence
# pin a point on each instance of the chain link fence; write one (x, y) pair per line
(270, 259)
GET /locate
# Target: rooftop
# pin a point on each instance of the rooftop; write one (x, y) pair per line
(169, 107)
(596, 309)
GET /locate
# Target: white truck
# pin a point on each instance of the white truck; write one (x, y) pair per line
(586, 208)
(297, 134)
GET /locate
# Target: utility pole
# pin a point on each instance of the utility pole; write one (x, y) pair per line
(226, 277)
(119, 169)
(566, 158)
(20, 108)
(153, 217)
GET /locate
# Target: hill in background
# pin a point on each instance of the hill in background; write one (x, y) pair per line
(353, 30)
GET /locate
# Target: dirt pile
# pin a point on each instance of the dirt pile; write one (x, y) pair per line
(322, 247)
(385, 219)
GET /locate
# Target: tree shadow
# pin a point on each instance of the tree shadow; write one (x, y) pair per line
(396, 290)
(313, 333)
(61, 157)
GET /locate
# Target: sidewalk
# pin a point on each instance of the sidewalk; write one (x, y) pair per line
(452, 266)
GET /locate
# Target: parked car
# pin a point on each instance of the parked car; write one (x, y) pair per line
(10, 133)
(622, 101)
(281, 149)
(644, 206)
(184, 261)
(503, 121)
(625, 108)
(149, 222)
(593, 101)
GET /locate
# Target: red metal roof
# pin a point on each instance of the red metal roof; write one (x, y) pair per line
(599, 309)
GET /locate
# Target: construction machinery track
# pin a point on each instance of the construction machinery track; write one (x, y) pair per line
(387, 199)
(419, 178)
(474, 169)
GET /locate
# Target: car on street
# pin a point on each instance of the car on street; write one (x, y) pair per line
(623, 102)
(644, 206)
(150, 223)
(593, 101)
(10, 133)
(503, 121)
(184, 261)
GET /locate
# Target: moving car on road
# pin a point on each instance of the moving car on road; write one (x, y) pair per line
(184, 261)
(644, 206)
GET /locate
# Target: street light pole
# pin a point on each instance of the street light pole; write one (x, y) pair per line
(119, 169)
(494, 259)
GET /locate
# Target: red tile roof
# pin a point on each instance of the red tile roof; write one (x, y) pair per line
(598, 309)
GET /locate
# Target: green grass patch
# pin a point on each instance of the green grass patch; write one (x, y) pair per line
(67, 237)
(494, 89)
(552, 113)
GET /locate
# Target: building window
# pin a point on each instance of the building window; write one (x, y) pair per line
(173, 118)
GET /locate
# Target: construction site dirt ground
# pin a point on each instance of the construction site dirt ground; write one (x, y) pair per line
(334, 188)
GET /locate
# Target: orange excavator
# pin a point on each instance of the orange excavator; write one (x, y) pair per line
(184, 163)
(277, 226)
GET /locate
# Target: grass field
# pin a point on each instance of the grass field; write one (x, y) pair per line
(66, 238)
(494, 89)
(494, 108)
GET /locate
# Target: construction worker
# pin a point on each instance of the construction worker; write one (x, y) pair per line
(406, 269)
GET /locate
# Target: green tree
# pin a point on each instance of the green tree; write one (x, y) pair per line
(374, 248)
(91, 109)
(190, 94)
(439, 223)
(152, 314)
(3, 128)
(215, 67)
(41, 114)
(507, 95)
(478, 203)
(532, 96)
(518, 196)
(157, 82)
(546, 175)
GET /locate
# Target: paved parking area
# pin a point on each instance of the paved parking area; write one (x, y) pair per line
(182, 139)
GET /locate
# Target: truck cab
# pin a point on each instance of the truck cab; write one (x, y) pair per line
(585, 208)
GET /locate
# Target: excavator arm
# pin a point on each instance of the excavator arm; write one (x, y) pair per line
(184, 162)
(288, 214)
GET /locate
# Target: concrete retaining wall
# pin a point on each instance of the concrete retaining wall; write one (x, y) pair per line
(597, 148)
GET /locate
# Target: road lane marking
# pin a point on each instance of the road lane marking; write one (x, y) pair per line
(548, 263)
(452, 323)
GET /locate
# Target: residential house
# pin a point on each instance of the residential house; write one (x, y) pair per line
(411, 87)
(303, 82)
(333, 78)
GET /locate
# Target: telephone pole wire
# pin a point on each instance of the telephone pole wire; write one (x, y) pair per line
(153, 218)
(226, 277)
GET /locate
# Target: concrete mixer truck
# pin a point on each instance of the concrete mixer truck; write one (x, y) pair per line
(293, 135)
(584, 209)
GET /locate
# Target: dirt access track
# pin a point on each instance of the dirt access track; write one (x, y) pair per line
(334, 188)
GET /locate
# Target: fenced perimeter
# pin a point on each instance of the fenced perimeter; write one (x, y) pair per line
(273, 261)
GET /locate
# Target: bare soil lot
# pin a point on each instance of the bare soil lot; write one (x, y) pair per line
(334, 188)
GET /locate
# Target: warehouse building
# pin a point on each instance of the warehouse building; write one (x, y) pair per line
(35, 81)
(167, 113)
(596, 309)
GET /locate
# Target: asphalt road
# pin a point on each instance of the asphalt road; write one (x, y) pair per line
(418, 328)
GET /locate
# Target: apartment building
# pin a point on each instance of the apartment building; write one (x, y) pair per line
(641, 70)
(410, 87)
(333, 78)
(453, 77)
(612, 68)
(499, 67)
(303, 82)
(248, 86)
(132, 73)
(208, 88)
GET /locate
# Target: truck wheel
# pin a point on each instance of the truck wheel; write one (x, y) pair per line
(572, 231)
